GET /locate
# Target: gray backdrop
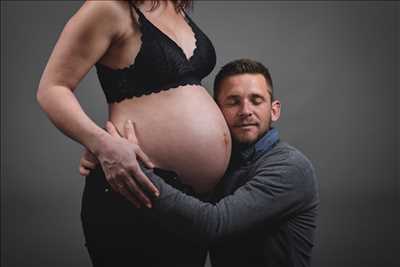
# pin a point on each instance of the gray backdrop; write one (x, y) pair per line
(336, 70)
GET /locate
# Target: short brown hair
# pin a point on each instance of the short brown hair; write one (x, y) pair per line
(241, 66)
(180, 5)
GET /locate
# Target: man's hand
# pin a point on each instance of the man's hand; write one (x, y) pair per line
(87, 163)
(120, 165)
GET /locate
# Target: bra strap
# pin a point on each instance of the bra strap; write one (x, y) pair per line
(187, 18)
(138, 10)
(140, 15)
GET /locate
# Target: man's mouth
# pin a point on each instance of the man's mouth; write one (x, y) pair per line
(246, 125)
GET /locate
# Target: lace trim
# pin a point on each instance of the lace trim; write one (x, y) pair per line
(194, 33)
(117, 99)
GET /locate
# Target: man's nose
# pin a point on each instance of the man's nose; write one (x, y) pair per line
(245, 110)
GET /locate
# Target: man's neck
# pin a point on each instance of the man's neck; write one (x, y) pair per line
(264, 143)
(239, 146)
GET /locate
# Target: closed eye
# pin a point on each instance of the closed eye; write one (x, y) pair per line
(232, 100)
(257, 99)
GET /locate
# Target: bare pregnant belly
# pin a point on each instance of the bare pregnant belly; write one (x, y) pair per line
(181, 130)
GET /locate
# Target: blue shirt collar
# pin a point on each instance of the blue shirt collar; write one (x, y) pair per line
(265, 143)
(262, 146)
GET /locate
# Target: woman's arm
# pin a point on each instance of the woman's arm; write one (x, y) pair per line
(85, 39)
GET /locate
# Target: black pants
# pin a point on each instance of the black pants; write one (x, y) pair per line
(118, 234)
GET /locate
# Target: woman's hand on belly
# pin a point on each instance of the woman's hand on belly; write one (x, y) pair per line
(118, 160)
(181, 130)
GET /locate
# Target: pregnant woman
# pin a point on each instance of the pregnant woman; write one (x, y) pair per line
(150, 59)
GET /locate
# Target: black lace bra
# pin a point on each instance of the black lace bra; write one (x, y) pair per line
(159, 65)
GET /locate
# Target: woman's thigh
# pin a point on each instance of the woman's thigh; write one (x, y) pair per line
(113, 227)
(117, 233)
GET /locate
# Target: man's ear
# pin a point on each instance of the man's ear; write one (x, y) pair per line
(275, 110)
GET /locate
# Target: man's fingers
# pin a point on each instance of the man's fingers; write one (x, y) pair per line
(130, 132)
(87, 155)
(83, 171)
(145, 182)
(111, 129)
(87, 164)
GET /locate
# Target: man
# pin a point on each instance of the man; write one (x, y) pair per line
(264, 209)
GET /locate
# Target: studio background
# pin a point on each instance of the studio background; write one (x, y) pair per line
(335, 67)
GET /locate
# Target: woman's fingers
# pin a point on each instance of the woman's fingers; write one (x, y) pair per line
(134, 181)
(137, 192)
(145, 182)
(111, 129)
(124, 184)
(141, 177)
(128, 195)
(144, 158)
(114, 185)
(130, 132)
(118, 186)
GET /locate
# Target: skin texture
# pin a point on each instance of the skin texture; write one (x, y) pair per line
(245, 102)
(104, 31)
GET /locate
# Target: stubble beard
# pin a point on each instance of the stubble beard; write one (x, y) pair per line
(244, 140)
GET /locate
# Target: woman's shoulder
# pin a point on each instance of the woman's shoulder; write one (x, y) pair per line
(108, 15)
(109, 9)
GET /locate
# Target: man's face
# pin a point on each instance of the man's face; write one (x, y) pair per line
(245, 102)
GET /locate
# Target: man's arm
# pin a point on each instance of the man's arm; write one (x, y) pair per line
(278, 190)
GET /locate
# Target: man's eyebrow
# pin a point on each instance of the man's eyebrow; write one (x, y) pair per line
(233, 96)
(257, 95)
